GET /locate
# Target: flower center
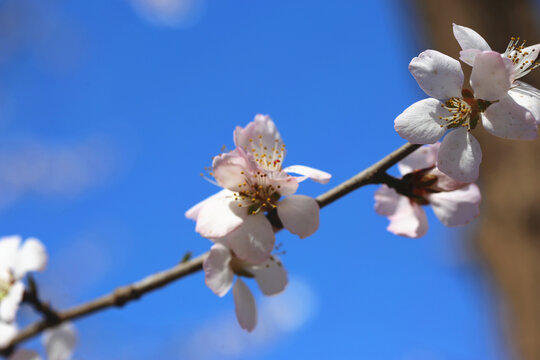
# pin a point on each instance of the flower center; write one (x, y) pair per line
(464, 113)
(5, 286)
(257, 194)
(523, 64)
(268, 157)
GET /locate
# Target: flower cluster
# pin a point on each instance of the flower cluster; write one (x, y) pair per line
(16, 261)
(506, 107)
(256, 187)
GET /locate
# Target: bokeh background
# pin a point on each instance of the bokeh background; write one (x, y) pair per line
(109, 112)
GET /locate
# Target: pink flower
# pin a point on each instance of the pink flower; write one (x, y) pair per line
(15, 262)
(254, 184)
(454, 203)
(457, 110)
(220, 267)
(519, 58)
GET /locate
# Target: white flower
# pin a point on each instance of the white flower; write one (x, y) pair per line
(15, 262)
(451, 108)
(7, 333)
(220, 267)
(254, 182)
(59, 344)
(454, 203)
(521, 59)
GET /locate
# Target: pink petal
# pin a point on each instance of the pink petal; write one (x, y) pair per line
(60, 342)
(308, 172)
(271, 276)
(7, 333)
(254, 240)
(218, 275)
(491, 76)
(299, 214)
(509, 120)
(469, 39)
(458, 207)
(406, 218)
(263, 133)
(421, 122)
(220, 216)
(245, 308)
(528, 97)
(467, 56)
(437, 74)
(460, 156)
(445, 182)
(231, 169)
(193, 212)
(23, 354)
(32, 256)
(424, 157)
(10, 304)
(282, 182)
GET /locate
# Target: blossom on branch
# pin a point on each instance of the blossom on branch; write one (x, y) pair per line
(456, 109)
(254, 183)
(220, 267)
(520, 59)
(15, 262)
(455, 203)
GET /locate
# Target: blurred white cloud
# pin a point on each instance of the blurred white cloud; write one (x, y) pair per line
(222, 337)
(170, 13)
(36, 167)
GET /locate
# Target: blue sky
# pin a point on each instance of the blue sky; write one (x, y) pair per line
(110, 113)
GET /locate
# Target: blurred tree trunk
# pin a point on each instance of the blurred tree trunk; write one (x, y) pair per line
(508, 240)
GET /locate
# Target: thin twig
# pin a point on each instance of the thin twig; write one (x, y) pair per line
(374, 174)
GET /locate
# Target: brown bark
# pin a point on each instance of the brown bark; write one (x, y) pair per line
(508, 240)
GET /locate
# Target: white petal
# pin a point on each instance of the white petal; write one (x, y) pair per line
(509, 120)
(257, 135)
(469, 39)
(244, 306)
(299, 214)
(437, 74)
(193, 212)
(406, 218)
(424, 157)
(254, 240)
(458, 207)
(7, 333)
(23, 354)
(231, 169)
(218, 275)
(271, 276)
(220, 216)
(309, 173)
(528, 97)
(60, 342)
(523, 66)
(491, 76)
(421, 122)
(32, 256)
(10, 304)
(467, 56)
(460, 156)
(9, 248)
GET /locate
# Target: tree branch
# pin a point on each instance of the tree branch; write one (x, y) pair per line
(375, 174)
